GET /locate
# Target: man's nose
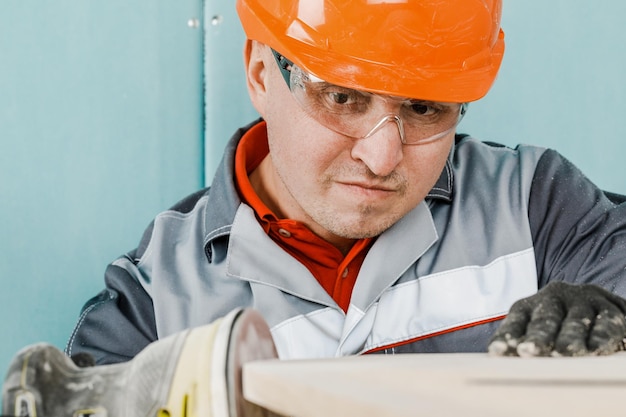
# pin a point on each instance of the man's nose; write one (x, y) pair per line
(381, 148)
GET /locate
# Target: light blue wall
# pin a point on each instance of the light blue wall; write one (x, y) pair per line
(100, 128)
(101, 125)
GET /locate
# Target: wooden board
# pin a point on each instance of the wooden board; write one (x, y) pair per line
(439, 385)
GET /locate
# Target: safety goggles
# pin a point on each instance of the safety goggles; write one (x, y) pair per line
(360, 114)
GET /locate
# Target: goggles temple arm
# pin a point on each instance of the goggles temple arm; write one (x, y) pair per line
(284, 65)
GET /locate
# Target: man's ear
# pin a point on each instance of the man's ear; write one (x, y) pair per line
(256, 74)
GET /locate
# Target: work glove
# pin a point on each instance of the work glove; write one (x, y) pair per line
(563, 320)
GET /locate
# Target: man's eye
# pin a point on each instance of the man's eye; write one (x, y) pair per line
(336, 95)
(340, 98)
(423, 109)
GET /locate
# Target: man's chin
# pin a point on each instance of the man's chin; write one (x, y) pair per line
(362, 229)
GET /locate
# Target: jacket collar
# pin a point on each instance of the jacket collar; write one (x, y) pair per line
(445, 184)
(443, 187)
(223, 191)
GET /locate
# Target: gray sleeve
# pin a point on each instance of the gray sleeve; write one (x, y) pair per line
(117, 323)
(579, 234)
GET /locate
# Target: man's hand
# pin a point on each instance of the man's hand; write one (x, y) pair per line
(563, 319)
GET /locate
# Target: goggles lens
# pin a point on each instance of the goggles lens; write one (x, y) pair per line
(360, 114)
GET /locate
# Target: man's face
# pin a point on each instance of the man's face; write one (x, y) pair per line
(342, 188)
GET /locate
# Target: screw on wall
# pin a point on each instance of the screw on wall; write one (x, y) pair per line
(193, 23)
(217, 20)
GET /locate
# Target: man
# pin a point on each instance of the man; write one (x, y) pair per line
(355, 220)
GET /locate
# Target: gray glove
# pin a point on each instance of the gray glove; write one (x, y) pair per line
(563, 319)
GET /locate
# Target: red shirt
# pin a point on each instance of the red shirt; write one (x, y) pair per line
(335, 272)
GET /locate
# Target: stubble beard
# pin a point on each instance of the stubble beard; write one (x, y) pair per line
(366, 222)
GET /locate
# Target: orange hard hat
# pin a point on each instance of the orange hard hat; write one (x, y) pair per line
(447, 51)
